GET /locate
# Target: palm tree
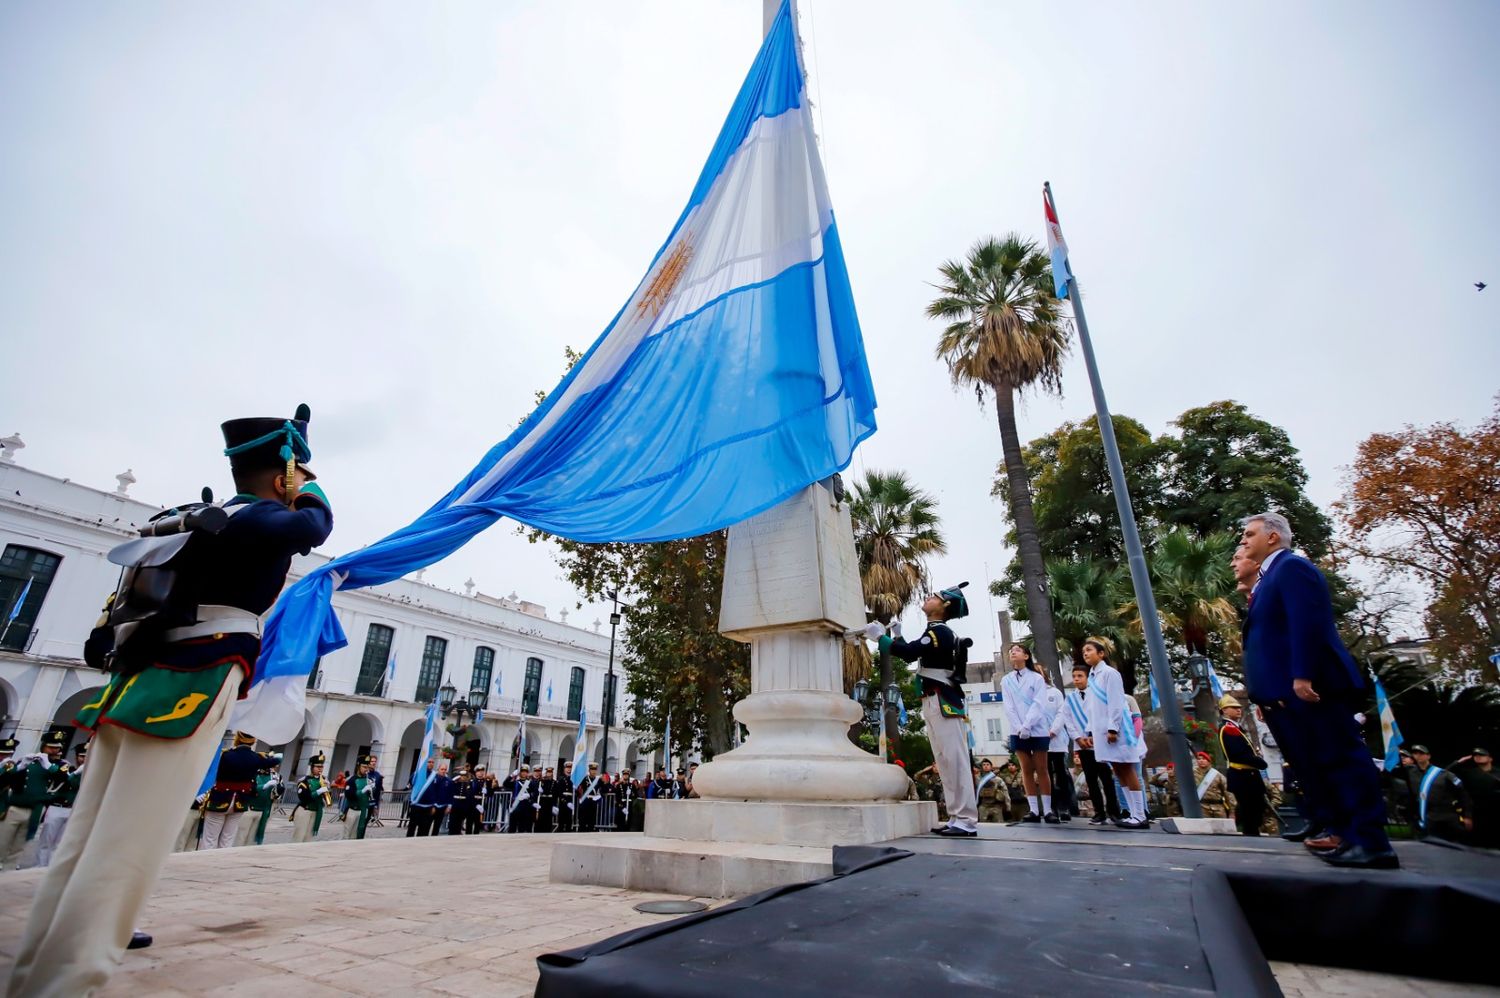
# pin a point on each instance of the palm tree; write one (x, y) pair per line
(1085, 596)
(1193, 585)
(895, 531)
(1006, 331)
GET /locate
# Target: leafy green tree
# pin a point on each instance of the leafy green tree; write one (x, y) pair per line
(1007, 332)
(1086, 596)
(1074, 500)
(1225, 464)
(673, 656)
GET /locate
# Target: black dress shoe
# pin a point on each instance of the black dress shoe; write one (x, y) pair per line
(1031, 819)
(1096, 820)
(1358, 857)
(139, 940)
(948, 831)
(1050, 818)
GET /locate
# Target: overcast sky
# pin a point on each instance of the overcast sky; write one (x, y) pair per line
(402, 214)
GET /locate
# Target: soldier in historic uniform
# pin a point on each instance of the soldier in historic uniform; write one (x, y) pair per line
(463, 797)
(181, 644)
(230, 796)
(525, 792)
(626, 795)
(8, 748)
(1245, 765)
(252, 830)
(359, 795)
(60, 807)
(938, 656)
(565, 804)
(590, 800)
(313, 796)
(34, 781)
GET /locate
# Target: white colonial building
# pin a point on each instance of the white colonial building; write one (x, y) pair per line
(54, 538)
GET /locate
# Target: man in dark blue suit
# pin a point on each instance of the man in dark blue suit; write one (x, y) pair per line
(1307, 685)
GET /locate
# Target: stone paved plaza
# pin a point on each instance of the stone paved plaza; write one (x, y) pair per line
(464, 915)
(461, 915)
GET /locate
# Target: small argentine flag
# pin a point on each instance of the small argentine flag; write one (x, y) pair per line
(1057, 247)
(581, 752)
(1388, 728)
(15, 608)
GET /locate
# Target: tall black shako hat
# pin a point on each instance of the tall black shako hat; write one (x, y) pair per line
(955, 605)
(259, 443)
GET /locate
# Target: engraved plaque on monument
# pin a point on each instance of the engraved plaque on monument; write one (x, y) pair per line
(793, 566)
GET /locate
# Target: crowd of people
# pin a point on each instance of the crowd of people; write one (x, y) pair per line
(537, 799)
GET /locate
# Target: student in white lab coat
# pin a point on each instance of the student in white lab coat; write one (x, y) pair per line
(1029, 714)
(1112, 734)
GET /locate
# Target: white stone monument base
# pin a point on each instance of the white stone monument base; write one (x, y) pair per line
(706, 848)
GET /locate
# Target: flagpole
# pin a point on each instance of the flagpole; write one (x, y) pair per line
(1140, 579)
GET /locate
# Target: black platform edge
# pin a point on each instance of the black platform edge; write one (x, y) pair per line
(558, 977)
(1390, 923)
(1229, 944)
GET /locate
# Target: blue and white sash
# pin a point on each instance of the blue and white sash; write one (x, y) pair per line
(987, 777)
(1128, 728)
(1075, 704)
(1428, 779)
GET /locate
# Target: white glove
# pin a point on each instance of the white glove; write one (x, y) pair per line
(874, 630)
(895, 628)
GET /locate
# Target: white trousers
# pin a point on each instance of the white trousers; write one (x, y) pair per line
(245, 836)
(950, 746)
(129, 808)
(302, 823)
(50, 834)
(220, 828)
(187, 835)
(13, 836)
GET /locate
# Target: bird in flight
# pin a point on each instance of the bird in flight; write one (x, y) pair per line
(1480, 285)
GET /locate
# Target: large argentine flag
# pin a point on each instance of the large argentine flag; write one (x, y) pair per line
(733, 377)
(419, 776)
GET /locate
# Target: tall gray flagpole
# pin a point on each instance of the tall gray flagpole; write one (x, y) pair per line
(1140, 579)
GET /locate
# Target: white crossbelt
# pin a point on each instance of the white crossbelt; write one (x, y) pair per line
(939, 675)
(215, 619)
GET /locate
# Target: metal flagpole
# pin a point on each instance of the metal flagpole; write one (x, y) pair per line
(1156, 648)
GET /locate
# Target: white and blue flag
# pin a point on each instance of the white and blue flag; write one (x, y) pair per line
(733, 377)
(15, 608)
(1214, 684)
(1390, 732)
(420, 777)
(581, 750)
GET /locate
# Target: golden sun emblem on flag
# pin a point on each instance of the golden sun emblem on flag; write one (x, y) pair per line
(664, 282)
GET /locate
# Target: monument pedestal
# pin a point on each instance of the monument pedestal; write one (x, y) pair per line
(711, 848)
(772, 809)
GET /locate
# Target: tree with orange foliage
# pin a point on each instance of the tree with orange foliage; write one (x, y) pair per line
(1425, 502)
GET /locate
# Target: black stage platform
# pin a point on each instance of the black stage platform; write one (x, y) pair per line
(1058, 911)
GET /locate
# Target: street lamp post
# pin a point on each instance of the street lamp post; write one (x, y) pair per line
(473, 704)
(609, 679)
